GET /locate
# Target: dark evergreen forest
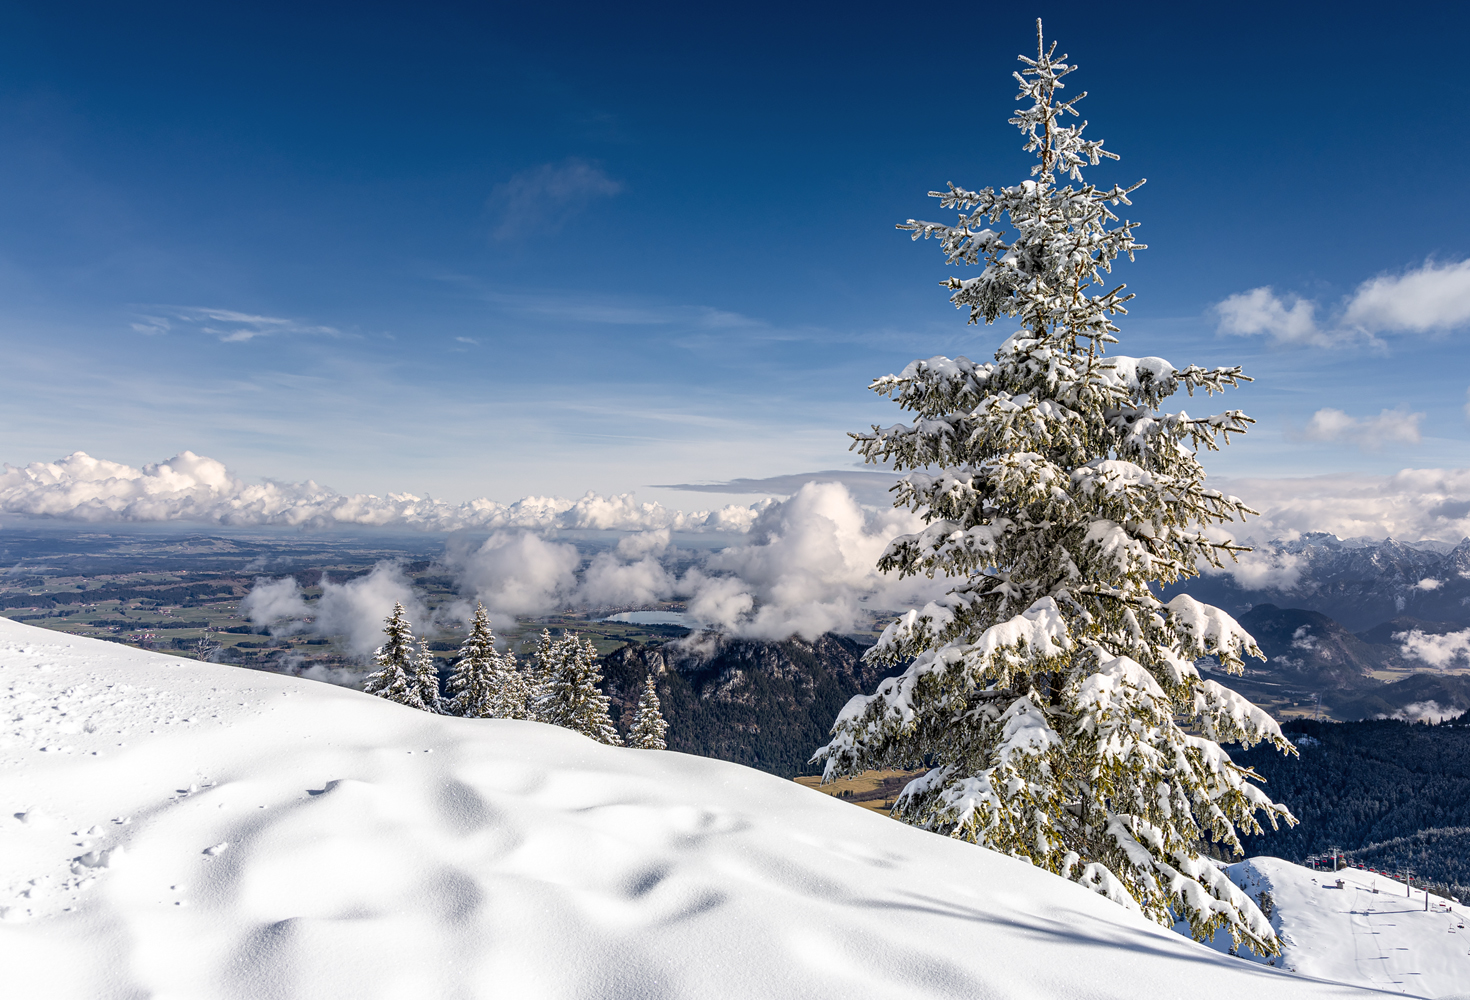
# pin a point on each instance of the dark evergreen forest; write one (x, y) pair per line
(767, 705)
(1389, 794)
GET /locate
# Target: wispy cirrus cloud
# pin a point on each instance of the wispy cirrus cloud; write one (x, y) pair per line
(545, 198)
(228, 325)
(1432, 298)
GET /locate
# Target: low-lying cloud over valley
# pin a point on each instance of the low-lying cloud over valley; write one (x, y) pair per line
(799, 561)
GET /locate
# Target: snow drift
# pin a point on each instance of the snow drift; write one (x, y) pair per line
(176, 828)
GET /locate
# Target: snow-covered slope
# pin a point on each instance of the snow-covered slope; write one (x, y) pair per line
(1384, 939)
(176, 829)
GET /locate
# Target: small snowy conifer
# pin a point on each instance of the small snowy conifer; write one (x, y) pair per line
(569, 696)
(547, 654)
(1054, 697)
(649, 726)
(485, 683)
(395, 677)
(426, 679)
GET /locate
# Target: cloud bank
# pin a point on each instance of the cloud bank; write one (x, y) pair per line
(807, 567)
(1411, 505)
(190, 487)
(1432, 298)
(1440, 651)
(354, 610)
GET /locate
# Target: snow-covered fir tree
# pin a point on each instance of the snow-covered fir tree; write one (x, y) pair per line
(485, 683)
(649, 727)
(547, 654)
(1053, 696)
(426, 678)
(568, 695)
(396, 675)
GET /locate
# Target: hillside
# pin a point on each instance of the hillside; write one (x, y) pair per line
(176, 828)
(767, 705)
(1387, 793)
(1374, 930)
(1314, 664)
(1307, 647)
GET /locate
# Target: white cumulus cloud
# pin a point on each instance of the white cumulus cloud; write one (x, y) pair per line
(354, 609)
(190, 487)
(1439, 651)
(1397, 426)
(516, 573)
(810, 566)
(277, 603)
(1427, 299)
(1431, 298)
(1261, 568)
(1288, 320)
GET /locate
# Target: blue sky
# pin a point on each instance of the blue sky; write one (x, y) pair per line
(506, 250)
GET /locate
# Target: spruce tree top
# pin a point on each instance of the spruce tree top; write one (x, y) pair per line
(649, 728)
(485, 683)
(394, 678)
(569, 695)
(1048, 685)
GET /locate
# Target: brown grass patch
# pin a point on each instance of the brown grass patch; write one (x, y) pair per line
(875, 790)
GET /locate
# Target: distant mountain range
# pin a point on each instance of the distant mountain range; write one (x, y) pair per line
(1359, 583)
(1326, 612)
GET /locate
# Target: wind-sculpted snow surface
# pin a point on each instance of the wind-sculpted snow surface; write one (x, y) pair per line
(190, 487)
(176, 828)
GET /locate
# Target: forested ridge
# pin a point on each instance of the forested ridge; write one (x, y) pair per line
(766, 705)
(1390, 794)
